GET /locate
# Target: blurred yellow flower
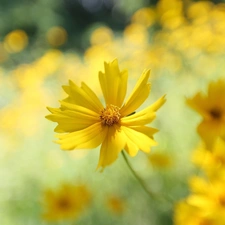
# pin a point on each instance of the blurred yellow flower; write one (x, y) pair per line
(116, 204)
(3, 53)
(144, 16)
(188, 215)
(136, 34)
(210, 199)
(205, 205)
(15, 41)
(68, 202)
(87, 123)
(212, 162)
(160, 160)
(212, 109)
(56, 36)
(101, 35)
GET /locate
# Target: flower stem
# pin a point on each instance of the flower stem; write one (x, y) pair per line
(139, 179)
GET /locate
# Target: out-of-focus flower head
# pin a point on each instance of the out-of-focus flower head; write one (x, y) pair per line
(101, 36)
(212, 162)
(205, 205)
(116, 204)
(15, 41)
(84, 123)
(188, 215)
(68, 202)
(144, 16)
(212, 109)
(56, 36)
(160, 160)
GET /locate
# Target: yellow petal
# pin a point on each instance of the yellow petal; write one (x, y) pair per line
(83, 96)
(145, 116)
(113, 83)
(140, 137)
(131, 147)
(112, 145)
(92, 96)
(200, 104)
(216, 90)
(72, 117)
(88, 138)
(69, 121)
(138, 95)
(79, 109)
(198, 185)
(200, 201)
(210, 131)
(219, 150)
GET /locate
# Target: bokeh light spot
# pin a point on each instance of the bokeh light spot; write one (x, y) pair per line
(56, 36)
(15, 41)
(101, 35)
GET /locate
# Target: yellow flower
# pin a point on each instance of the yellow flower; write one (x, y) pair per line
(160, 160)
(187, 214)
(66, 203)
(15, 41)
(212, 162)
(205, 205)
(212, 109)
(209, 198)
(116, 204)
(87, 123)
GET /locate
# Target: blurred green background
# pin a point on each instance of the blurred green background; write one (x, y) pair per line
(43, 44)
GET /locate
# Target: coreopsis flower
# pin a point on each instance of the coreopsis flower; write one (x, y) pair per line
(212, 108)
(205, 204)
(68, 202)
(211, 162)
(85, 123)
(187, 214)
(116, 204)
(209, 198)
(160, 160)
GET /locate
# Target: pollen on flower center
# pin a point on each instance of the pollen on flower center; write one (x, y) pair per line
(110, 115)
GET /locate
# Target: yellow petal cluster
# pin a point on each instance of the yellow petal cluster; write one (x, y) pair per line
(206, 203)
(85, 123)
(212, 109)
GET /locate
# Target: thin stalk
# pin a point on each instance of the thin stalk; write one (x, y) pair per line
(139, 179)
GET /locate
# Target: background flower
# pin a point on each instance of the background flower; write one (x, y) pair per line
(212, 109)
(68, 202)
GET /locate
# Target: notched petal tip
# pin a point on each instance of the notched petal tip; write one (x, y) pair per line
(53, 112)
(112, 62)
(48, 117)
(147, 73)
(71, 82)
(50, 109)
(159, 103)
(164, 99)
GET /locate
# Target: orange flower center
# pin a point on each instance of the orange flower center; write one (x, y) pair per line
(215, 113)
(222, 201)
(64, 203)
(110, 115)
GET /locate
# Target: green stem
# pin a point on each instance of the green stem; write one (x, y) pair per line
(139, 179)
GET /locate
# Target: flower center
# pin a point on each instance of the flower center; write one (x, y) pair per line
(110, 115)
(222, 201)
(64, 203)
(215, 113)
